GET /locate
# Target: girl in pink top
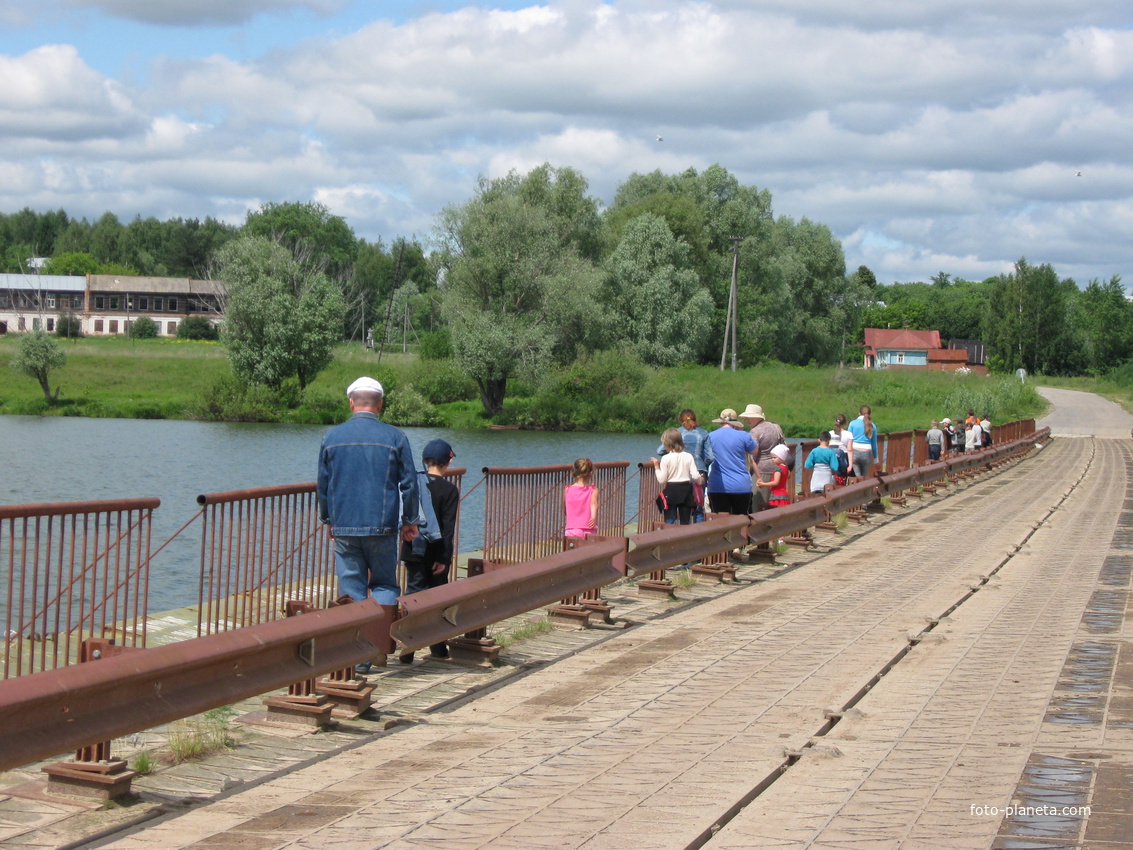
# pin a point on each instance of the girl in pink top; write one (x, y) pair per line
(581, 501)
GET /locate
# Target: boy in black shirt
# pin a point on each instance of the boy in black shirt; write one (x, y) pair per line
(429, 557)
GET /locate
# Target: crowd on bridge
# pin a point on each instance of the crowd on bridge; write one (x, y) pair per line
(378, 508)
(745, 464)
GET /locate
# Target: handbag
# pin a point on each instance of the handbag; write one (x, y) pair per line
(661, 502)
(698, 494)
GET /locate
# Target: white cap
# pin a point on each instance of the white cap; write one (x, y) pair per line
(781, 451)
(365, 385)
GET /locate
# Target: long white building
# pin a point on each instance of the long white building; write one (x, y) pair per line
(106, 305)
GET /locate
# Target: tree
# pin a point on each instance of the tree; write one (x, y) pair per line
(1026, 324)
(36, 356)
(656, 303)
(1105, 324)
(282, 317)
(72, 263)
(518, 292)
(309, 232)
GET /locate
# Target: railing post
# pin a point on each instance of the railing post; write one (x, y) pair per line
(302, 705)
(350, 695)
(93, 773)
(475, 646)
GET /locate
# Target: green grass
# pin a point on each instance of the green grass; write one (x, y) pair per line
(117, 377)
(523, 631)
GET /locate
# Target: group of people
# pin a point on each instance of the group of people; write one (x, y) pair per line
(963, 435)
(744, 465)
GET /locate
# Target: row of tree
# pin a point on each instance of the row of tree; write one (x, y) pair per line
(532, 270)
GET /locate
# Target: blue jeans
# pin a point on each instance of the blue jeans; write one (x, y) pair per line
(367, 565)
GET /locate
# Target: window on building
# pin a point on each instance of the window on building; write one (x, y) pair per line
(50, 325)
(143, 303)
(113, 326)
(171, 328)
(172, 305)
(114, 301)
(22, 326)
(98, 326)
(159, 304)
(900, 357)
(50, 302)
(35, 324)
(99, 302)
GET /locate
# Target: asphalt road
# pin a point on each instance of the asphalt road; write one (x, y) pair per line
(1084, 414)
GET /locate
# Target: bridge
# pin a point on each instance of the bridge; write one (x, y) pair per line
(958, 676)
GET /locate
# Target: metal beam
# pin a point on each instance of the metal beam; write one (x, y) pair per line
(57, 711)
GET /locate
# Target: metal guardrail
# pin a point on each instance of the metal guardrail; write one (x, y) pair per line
(264, 546)
(49, 713)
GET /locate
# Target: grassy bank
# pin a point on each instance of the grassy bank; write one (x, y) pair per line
(109, 377)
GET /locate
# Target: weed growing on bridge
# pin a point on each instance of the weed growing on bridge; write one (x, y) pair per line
(200, 736)
(683, 578)
(523, 631)
(144, 763)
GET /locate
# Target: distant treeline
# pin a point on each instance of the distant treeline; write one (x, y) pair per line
(532, 271)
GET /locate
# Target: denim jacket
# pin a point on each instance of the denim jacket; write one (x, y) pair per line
(367, 483)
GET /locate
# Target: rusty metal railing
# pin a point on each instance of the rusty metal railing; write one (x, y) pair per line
(73, 570)
(524, 516)
(260, 548)
(265, 546)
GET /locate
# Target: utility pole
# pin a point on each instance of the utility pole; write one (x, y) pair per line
(733, 318)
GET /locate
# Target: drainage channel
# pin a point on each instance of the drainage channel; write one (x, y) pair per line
(834, 717)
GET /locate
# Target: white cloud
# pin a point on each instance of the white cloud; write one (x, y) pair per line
(49, 93)
(930, 135)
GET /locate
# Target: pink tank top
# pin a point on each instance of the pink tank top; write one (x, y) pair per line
(576, 498)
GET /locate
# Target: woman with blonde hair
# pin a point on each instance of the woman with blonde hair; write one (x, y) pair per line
(864, 432)
(676, 474)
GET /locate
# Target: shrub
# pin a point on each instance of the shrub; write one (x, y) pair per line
(69, 326)
(228, 400)
(607, 391)
(409, 409)
(199, 328)
(325, 408)
(442, 381)
(143, 327)
(435, 346)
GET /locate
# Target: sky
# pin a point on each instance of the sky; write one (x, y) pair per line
(928, 135)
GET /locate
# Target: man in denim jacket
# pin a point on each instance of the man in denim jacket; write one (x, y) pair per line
(367, 488)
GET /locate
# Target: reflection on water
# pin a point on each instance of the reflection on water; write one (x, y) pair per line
(63, 459)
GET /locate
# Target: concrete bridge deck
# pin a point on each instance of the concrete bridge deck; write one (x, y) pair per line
(900, 692)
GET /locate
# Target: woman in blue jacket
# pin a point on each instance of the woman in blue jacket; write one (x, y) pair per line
(864, 432)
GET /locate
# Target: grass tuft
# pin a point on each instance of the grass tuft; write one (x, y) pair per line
(523, 631)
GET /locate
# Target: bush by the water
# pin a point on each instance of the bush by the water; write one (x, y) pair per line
(605, 391)
(442, 381)
(407, 408)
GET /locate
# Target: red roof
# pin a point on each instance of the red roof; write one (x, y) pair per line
(901, 339)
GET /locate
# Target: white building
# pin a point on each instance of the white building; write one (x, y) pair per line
(106, 305)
